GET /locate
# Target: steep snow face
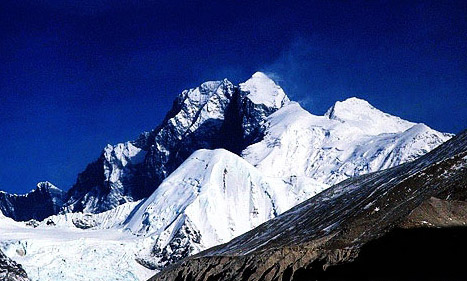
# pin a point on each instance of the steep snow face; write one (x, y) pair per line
(212, 197)
(41, 202)
(342, 144)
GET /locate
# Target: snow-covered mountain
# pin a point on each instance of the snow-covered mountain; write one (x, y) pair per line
(43, 201)
(212, 197)
(324, 237)
(216, 114)
(352, 138)
(224, 160)
(216, 195)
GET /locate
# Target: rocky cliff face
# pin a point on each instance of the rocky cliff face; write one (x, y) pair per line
(217, 114)
(113, 179)
(11, 271)
(331, 228)
(43, 201)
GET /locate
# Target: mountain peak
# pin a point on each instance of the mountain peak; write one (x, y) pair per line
(263, 90)
(259, 74)
(356, 101)
(46, 186)
(210, 86)
(349, 106)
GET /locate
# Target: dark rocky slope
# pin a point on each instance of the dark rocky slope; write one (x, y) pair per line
(10, 270)
(340, 233)
(43, 201)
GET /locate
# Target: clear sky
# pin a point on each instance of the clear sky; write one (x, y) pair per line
(76, 75)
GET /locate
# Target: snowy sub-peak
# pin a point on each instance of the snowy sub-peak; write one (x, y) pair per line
(329, 150)
(211, 198)
(261, 97)
(48, 187)
(111, 180)
(362, 115)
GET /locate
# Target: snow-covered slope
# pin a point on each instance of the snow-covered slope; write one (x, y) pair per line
(338, 145)
(114, 218)
(360, 114)
(212, 197)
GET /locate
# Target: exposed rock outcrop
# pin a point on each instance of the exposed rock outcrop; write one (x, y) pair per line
(10, 270)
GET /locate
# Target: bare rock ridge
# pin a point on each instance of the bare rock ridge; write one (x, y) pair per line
(330, 231)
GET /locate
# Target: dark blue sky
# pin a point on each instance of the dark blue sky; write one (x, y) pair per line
(76, 75)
